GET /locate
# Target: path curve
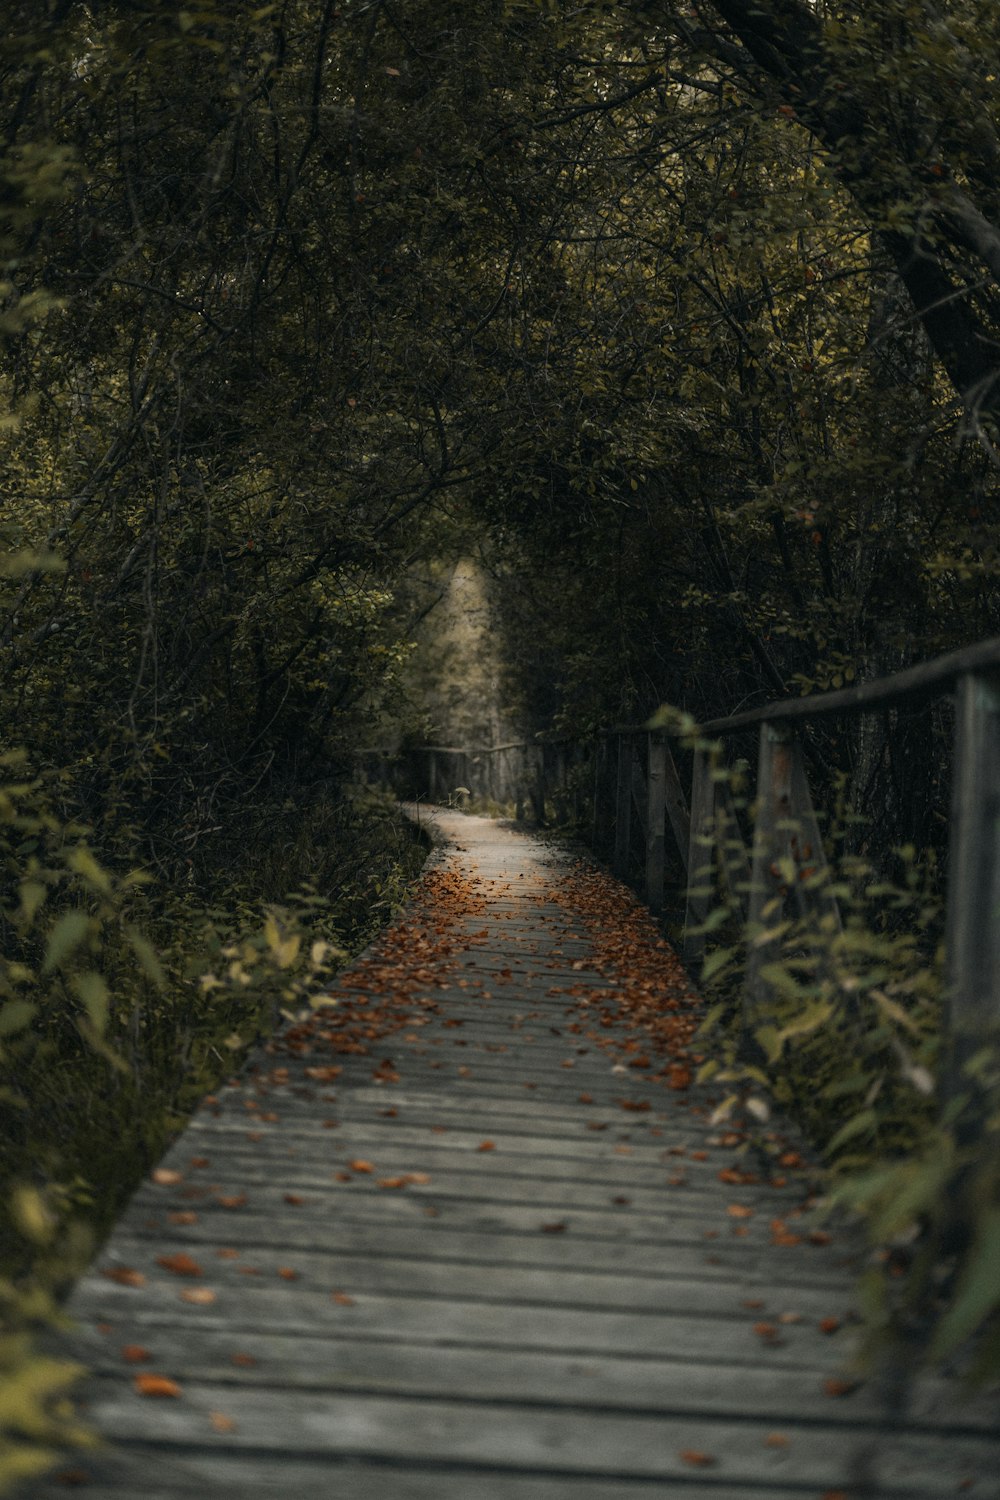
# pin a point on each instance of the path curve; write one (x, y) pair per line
(445, 1241)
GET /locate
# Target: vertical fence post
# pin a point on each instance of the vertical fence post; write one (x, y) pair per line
(656, 814)
(699, 859)
(972, 942)
(623, 807)
(807, 847)
(677, 811)
(774, 799)
(538, 783)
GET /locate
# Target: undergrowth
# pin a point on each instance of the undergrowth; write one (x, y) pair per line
(844, 1026)
(123, 1001)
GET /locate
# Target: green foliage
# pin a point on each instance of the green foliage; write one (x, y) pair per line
(836, 1014)
(123, 1003)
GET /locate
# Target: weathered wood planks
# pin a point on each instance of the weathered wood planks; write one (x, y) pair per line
(454, 1287)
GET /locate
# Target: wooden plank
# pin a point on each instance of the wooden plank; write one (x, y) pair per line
(753, 1268)
(676, 805)
(194, 1473)
(533, 1438)
(734, 862)
(699, 859)
(611, 1383)
(774, 805)
(375, 1272)
(973, 917)
(623, 807)
(656, 812)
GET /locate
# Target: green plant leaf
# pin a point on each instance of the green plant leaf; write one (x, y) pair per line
(15, 1016)
(65, 937)
(92, 992)
(978, 1292)
(857, 1125)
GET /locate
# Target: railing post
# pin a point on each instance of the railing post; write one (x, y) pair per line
(786, 833)
(677, 811)
(774, 804)
(972, 941)
(656, 813)
(623, 807)
(537, 791)
(699, 859)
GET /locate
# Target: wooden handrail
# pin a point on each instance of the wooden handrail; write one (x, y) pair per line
(927, 677)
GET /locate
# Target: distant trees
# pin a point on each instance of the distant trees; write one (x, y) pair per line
(691, 309)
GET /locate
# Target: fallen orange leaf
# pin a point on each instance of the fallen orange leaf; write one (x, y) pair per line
(220, 1422)
(486, 1146)
(695, 1459)
(164, 1177)
(342, 1299)
(156, 1385)
(180, 1264)
(834, 1387)
(201, 1296)
(361, 1166)
(135, 1354)
(124, 1275)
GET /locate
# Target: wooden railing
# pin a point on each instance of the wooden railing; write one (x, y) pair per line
(529, 775)
(642, 821)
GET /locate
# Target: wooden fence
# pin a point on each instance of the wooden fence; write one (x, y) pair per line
(530, 775)
(644, 824)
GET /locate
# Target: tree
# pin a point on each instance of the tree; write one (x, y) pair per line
(901, 97)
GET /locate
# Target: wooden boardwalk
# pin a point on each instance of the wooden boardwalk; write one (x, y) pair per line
(472, 1255)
